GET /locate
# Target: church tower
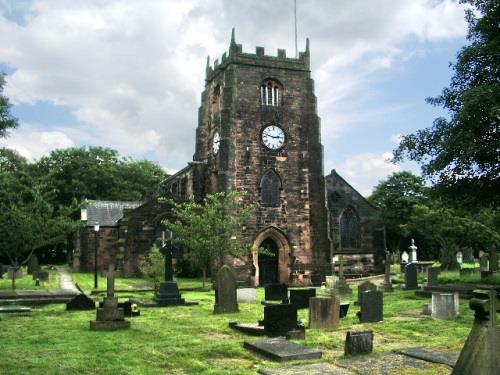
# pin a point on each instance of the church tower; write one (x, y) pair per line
(258, 131)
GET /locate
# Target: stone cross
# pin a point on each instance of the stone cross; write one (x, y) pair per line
(167, 251)
(110, 288)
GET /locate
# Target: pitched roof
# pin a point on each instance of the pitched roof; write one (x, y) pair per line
(107, 213)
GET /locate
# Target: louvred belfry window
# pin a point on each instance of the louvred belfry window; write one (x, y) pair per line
(271, 93)
(270, 187)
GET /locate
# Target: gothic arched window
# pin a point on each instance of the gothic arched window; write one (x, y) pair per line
(270, 187)
(349, 229)
(270, 93)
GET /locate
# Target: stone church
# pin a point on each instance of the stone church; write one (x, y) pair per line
(258, 131)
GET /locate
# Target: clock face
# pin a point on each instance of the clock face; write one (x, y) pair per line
(216, 142)
(273, 137)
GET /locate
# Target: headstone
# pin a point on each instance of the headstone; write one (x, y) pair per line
(33, 264)
(80, 302)
(246, 295)
(41, 275)
(344, 308)
(279, 319)
(445, 305)
(363, 287)
(432, 276)
(372, 307)
(324, 312)
(276, 292)
(483, 262)
(300, 297)
(17, 273)
(411, 280)
(468, 255)
(405, 257)
(481, 350)
(413, 251)
(358, 342)
(426, 309)
(387, 274)
(225, 291)
(460, 257)
(330, 281)
(279, 349)
(493, 256)
(341, 286)
(168, 293)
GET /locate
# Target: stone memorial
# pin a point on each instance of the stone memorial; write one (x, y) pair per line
(279, 320)
(130, 309)
(358, 342)
(246, 295)
(468, 255)
(405, 257)
(483, 262)
(344, 308)
(276, 292)
(225, 291)
(363, 287)
(460, 257)
(330, 281)
(279, 349)
(324, 312)
(445, 305)
(372, 307)
(81, 302)
(33, 264)
(341, 286)
(300, 297)
(387, 286)
(110, 316)
(413, 251)
(432, 276)
(411, 280)
(168, 293)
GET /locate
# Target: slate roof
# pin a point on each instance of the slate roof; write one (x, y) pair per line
(107, 213)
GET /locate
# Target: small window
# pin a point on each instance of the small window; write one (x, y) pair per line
(270, 187)
(270, 93)
(349, 229)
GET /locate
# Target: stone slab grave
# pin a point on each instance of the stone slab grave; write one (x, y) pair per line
(445, 305)
(372, 307)
(225, 291)
(429, 354)
(276, 292)
(363, 287)
(300, 297)
(246, 295)
(14, 310)
(411, 280)
(310, 369)
(279, 349)
(324, 312)
(432, 276)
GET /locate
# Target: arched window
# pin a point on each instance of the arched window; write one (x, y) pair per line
(349, 229)
(270, 93)
(270, 187)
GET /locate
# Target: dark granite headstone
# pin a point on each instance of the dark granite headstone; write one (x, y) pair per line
(280, 319)
(225, 291)
(372, 307)
(80, 302)
(280, 349)
(33, 265)
(365, 286)
(344, 308)
(300, 297)
(324, 312)
(358, 342)
(411, 280)
(276, 292)
(432, 276)
(168, 293)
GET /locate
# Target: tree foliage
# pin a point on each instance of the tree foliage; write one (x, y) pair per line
(7, 121)
(153, 267)
(462, 154)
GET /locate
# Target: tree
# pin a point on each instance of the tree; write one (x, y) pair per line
(7, 121)
(211, 229)
(461, 154)
(153, 267)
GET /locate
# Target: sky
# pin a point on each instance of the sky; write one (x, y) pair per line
(128, 74)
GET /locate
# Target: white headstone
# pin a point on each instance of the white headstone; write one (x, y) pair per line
(244, 295)
(404, 257)
(460, 257)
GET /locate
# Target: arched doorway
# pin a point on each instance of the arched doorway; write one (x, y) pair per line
(268, 263)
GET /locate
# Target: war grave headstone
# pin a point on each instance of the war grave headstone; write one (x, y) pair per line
(168, 293)
(300, 297)
(363, 287)
(411, 280)
(276, 292)
(324, 312)
(279, 349)
(341, 286)
(387, 286)
(246, 295)
(358, 342)
(432, 276)
(372, 307)
(33, 264)
(481, 350)
(445, 305)
(225, 291)
(110, 316)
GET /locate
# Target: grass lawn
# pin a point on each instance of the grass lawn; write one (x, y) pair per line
(192, 340)
(27, 283)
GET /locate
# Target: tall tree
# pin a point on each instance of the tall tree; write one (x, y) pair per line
(462, 154)
(7, 121)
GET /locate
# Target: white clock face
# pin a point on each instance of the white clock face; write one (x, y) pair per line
(273, 137)
(216, 143)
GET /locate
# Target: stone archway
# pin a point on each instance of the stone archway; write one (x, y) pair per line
(279, 244)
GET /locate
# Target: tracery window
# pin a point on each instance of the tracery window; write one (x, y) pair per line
(270, 93)
(349, 229)
(270, 187)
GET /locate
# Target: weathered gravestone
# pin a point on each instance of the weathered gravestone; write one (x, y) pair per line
(481, 351)
(363, 287)
(15, 272)
(279, 349)
(358, 342)
(468, 255)
(445, 305)
(279, 319)
(225, 291)
(432, 276)
(483, 262)
(33, 265)
(411, 280)
(110, 316)
(324, 312)
(341, 286)
(344, 308)
(372, 307)
(80, 302)
(300, 297)
(276, 292)
(246, 295)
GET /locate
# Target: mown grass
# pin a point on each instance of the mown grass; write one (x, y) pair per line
(27, 283)
(192, 340)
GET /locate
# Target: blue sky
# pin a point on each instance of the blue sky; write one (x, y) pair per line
(128, 74)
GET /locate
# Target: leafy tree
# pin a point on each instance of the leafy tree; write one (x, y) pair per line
(7, 121)
(153, 267)
(461, 154)
(210, 230)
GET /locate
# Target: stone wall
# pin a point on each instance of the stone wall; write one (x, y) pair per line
(84, 248)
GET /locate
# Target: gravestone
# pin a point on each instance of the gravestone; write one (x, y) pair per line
(168, 293)
(363, 287)
(411, 280)
(432, 276)
(445, 305)
(460, 257)
(246, 295)
(279, 319)
(358, 342)
(41, 275)
(372, 307)
(341, 286)
(80, 302)
(387, 274)
(17, 273)
(300, 297)
(413, 251)
(225, 291)
(483, 262)
(33, 264)
(110, 316)
(493, 256)
(324, 312)
(330, 281)
(468, 255)
(344, 308)
(279, 349)
(276, 292)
